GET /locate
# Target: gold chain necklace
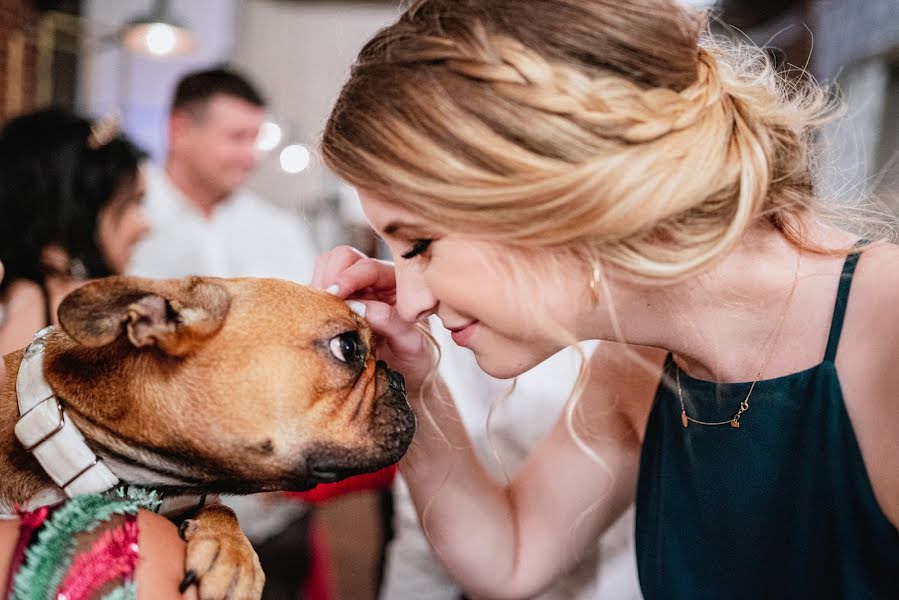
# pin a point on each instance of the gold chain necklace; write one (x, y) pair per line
(744, 405)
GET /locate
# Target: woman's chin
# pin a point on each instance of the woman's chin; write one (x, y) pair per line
(504, 367)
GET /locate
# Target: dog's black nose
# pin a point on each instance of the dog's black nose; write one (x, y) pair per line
(394, 379)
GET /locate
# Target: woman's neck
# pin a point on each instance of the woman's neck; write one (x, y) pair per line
(722, 325)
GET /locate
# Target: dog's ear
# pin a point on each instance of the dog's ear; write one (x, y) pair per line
(174, 315)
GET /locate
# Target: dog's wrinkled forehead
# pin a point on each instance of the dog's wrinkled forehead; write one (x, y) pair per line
(180, 316)
(283, 306)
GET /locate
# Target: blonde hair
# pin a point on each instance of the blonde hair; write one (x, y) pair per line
(609, 127)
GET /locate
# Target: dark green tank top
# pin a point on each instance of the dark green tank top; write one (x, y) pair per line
(781, 507)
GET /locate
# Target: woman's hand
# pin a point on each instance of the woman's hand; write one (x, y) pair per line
(351, 275)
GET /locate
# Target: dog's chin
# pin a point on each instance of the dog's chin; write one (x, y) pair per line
(234, 487)
(299, 482)
(177, 474)
(323, 463)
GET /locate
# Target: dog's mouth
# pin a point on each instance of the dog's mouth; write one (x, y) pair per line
(328, 464)
(177, 471)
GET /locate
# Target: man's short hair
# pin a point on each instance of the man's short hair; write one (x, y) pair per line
(195, 89)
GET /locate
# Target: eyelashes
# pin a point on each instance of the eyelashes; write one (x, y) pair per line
(418, 247)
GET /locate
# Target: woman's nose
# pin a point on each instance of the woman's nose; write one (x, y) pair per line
(414, 300)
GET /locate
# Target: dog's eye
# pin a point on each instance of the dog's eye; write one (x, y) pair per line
(346, 347)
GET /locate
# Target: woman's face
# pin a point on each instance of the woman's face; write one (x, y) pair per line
(469, 285)
(121, 225)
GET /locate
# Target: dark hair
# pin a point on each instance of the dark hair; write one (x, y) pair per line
(195, 89)
(53, 185)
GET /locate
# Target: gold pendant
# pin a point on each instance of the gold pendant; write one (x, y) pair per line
(735, 423)
(683, 418)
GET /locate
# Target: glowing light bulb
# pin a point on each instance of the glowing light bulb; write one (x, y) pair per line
(161, 39)
(295, 158)
(269, 136)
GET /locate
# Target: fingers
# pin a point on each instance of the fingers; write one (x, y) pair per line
(329, 264)
(348, 273)
(407, 349)
(369, 278)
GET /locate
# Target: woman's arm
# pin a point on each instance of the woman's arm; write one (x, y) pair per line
(510, 541)
(868, 365)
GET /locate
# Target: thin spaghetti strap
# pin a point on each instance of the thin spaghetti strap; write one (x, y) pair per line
(839, 309)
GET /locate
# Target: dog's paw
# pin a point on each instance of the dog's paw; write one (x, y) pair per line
(220, 560)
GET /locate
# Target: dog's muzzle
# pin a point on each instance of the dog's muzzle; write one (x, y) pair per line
(391, 429)
(394, 379)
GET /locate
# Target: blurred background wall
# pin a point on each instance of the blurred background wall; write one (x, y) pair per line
(112, 78)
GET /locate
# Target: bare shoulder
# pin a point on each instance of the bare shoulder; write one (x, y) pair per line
(23, 295)
(868, 363)
(882, 262)
(872, 315)
(25, 314)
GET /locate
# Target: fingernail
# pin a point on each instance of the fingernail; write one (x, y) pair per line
(356, 307)
(333, 289)
(190, 578)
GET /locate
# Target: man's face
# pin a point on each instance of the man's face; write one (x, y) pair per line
(216, 143)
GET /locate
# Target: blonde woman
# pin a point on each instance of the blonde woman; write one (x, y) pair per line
(557, 170)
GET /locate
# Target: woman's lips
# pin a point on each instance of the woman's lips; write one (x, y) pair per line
(462, 335)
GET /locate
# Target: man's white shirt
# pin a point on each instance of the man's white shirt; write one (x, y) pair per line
(244, 237)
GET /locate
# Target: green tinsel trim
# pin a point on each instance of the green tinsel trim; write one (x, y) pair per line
(47, 560)
(126, 591)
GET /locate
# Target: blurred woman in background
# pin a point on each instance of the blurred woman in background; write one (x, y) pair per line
(70, 196)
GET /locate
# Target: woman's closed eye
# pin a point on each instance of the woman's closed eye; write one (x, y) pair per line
(418, 247)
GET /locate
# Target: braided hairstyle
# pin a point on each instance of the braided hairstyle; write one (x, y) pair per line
(615, 128)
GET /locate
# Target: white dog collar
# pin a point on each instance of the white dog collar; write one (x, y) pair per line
(45, 432)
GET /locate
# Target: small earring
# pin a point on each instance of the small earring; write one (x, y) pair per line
(594, 280)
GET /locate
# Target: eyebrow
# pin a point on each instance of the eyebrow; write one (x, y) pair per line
(394, 227)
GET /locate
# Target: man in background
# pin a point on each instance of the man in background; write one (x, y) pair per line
(205, 223)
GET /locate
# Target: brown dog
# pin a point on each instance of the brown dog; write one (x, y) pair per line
(207, 385)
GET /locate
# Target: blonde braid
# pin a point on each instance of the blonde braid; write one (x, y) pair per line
(610, 128)
(611, 106)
